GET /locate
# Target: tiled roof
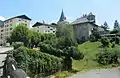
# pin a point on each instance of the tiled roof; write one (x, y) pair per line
(21, 16)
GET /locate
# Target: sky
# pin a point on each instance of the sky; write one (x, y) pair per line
(50, 10)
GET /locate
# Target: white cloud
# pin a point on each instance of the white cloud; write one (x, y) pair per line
(2, 18)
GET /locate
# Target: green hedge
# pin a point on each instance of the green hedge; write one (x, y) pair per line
(35, 62)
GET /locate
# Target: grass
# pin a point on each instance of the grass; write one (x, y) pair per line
(89, 49)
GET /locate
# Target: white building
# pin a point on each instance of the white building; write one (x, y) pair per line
(44, 28)
(9, 24)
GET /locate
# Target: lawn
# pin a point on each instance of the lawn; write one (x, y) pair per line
(89, 49)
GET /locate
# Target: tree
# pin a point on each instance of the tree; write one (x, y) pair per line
(116, 24)
(95, 35)
(20, 34)
(105, 42)
(34, 38)
(66, 31)
(105, 26)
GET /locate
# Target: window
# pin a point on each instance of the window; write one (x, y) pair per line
(26, 24)
(48, 27)
(1, 30)
(25, 21)
(10, 28)
(37, 30)
(51, 29)
(19, 20)
(11, 20)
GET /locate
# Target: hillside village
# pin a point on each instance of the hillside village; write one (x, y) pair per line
(82, 26)
(61, 48)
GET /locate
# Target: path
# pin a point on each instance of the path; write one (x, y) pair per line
(102, 73)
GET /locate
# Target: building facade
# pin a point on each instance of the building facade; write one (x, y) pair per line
(83, 27)
(9, 24)
(44, 28)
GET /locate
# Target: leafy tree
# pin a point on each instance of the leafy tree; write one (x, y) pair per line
(20, 34)
(66, 31)
(116, 24)
(95, 35)
(34, 38)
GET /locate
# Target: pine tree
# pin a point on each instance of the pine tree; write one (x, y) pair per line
(105, 26)
(116, 24)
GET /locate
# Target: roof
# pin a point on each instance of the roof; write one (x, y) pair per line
(100, 28)
(40, 24)
(80, 20)
(20, 16)
(37, 24)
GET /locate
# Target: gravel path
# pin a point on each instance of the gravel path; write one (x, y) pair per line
(99, 73)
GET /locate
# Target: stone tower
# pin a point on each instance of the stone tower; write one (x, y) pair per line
(91, 17)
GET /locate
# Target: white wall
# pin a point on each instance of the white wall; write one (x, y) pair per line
(44, 29)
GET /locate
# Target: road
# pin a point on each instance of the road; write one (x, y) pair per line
(2, 56)
(99, 73)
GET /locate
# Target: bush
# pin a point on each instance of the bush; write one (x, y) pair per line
(92, 38)
(108, 57)
(17, 44)
(117, 40)
(35, 62)
(114, 32)
(105, 42)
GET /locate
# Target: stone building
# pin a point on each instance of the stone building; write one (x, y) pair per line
(83, 26)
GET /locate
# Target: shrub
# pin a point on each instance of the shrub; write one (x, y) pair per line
(108, 57)
(35, 62)
(105, 42)
(92, 38)
(17, 44)
(117, 40)
(114, 32)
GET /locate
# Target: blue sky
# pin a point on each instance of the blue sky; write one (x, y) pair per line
(49, 10)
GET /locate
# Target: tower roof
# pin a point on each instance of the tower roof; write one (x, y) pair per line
(62, 17)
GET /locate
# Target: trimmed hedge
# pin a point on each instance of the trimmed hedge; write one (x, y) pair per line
(35, 62)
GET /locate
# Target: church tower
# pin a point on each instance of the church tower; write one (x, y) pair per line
(62, 19)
